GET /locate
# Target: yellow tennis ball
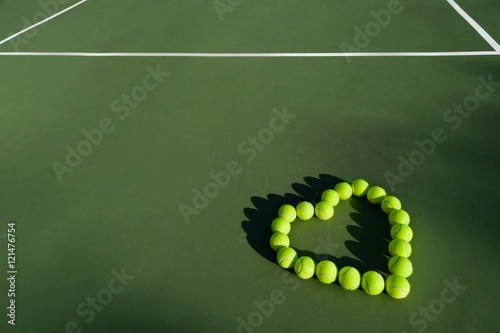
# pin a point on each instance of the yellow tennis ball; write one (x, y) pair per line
(399, 217)
(344, 190)
(287, 212)
(326, 271)
(324, 210)
(279, 240)
(390, 203)
(281, 225)
(305, 210)
(397, 286)
(400, 266)
(286, 257)
(330, 196)
(360, 187)
(402, 231)
(349, 278)
(304, 267)
(400, 247)
(372, 282)
(376, 194)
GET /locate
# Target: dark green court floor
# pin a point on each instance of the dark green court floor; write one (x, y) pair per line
(112, 230)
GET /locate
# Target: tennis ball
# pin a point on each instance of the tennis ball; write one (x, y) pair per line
(305, 210)
(330, 196)
(324, 210)
(344, 190)
(360, 187)
(400, 266)
(397, 286)
(304, 267)
(326, 271)
(349, 278)
(402, 231)
(390, 203)
(287, 212)
(400, 247)
(372, 282)
(279, 240)
(286, 257)
(399, 217)
(281, 225)
(376, 194)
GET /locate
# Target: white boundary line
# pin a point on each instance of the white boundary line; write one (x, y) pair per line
(476, 26)
(253, 55)
(41, 22)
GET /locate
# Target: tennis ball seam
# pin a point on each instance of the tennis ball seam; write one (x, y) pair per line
(353, 285)
(346, 271)
(404, 294)
(326, 275)
(282, 231)
(397, 260)
(367, 285)
(301, 266)
(397, 232)
(347, 194)
(286, 258)
(324, 213)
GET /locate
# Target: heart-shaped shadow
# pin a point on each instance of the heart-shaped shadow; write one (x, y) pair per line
(371, 234)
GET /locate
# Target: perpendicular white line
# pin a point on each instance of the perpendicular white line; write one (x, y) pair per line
(41, 22)
(475, 25)
(252, 55)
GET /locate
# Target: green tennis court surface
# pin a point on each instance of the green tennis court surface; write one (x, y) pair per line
(143, 187)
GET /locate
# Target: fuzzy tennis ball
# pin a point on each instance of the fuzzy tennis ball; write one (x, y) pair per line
(304, 267)
(324, 210)
(360, 187)
(287, 212)
(281, 225)
(400, 266)
(349, 278)
(305, 210)
(330, 196)
(376, 194)
(326, 271)
(287, 257)
(402, 231)
(399, 217)
(279, 240)
(400, 247)
(372, 282)
(397, 286)
(344, 190)
(390, 203)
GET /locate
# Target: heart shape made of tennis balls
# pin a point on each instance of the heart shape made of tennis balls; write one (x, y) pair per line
(400, 267)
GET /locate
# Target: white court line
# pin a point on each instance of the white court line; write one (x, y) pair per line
(41, 22)
(476, 26)
(253, 55)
